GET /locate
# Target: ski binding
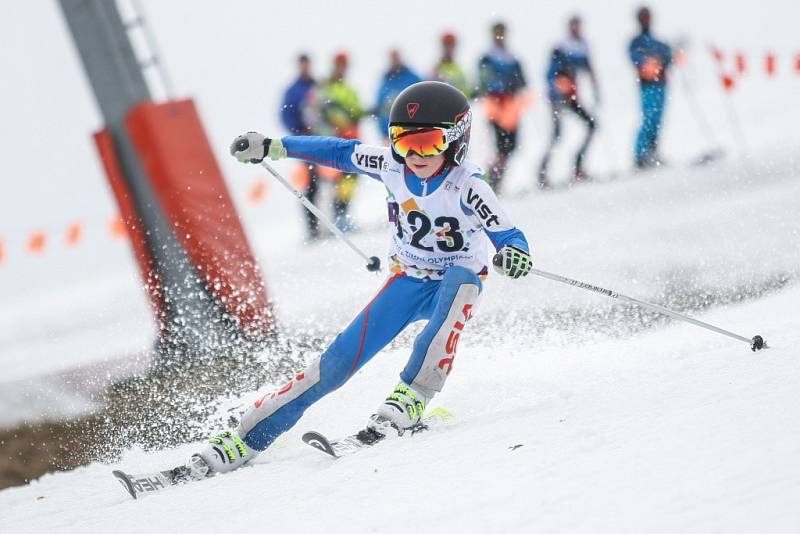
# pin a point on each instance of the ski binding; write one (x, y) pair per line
(368, 437)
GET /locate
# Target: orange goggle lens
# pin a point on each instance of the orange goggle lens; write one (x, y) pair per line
(422, 141)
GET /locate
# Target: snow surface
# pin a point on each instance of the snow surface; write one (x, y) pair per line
(627, 424)
(664, 432)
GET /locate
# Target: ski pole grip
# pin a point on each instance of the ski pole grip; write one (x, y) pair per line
(374, 264)
(497, 260)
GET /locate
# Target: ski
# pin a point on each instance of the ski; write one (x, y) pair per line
(140, 485)
(145, 484)
(366, 438)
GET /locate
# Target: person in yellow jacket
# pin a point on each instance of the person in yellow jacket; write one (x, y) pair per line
(447, 70)
(340, 111)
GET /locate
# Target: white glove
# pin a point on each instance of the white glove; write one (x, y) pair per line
(253, 147)
(512, 261)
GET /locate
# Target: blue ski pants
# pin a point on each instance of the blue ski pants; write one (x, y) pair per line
(653, 100)
(447, 305)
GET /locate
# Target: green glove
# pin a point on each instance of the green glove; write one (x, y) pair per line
(512, 261)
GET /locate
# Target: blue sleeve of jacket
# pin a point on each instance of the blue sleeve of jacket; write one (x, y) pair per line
(665, 52)
(508, 238)
(579, 61)
(636, 52)
(290, 109)
(383, 105)
(644, 46)
(552, 73)
(331, 152)
(552, 69)
(413, 77)
(383, 92)
(519, 81)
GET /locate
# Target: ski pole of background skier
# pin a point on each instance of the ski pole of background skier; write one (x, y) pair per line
(373, 262)
(733, 116)
(685, 73)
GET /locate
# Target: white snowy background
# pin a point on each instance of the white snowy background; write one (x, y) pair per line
(623, 429)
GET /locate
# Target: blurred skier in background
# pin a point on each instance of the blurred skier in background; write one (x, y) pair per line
(567, 59)
(501, 85)
(445, 216)
(297, 116)
(298, 99)
(651, 58)
(340, 111)
(397, 78)
(447, 70)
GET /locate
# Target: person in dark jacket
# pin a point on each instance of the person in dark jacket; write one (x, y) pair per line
(567, 59)
(652, 58)
(397, 78)
(296, 99)
(297, 113)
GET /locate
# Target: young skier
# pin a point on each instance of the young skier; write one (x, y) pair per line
(444, 217)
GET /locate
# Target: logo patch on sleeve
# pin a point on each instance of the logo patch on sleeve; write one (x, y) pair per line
(370, 161)
(483, 211)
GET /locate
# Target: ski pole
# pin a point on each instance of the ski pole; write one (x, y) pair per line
(373, 262)
(697, 110)
(608, 147)
(756, 342)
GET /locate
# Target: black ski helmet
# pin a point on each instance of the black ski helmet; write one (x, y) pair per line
(434, 104)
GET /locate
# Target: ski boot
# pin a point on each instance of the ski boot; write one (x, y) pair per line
(224, 453)
(399, 413)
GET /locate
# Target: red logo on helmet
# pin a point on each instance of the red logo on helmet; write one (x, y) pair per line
(412, 109)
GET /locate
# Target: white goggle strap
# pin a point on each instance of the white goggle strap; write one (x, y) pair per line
(460, 128)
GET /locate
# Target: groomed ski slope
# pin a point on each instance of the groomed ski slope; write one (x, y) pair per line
(622, 428)
(660, 433)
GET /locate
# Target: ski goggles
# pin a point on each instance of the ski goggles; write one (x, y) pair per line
(427, 140)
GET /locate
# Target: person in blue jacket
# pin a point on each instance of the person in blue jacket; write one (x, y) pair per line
(567, 59)
(444, 219)
(297, 112)
(652, 58)
(397, 78)
(297, 100)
